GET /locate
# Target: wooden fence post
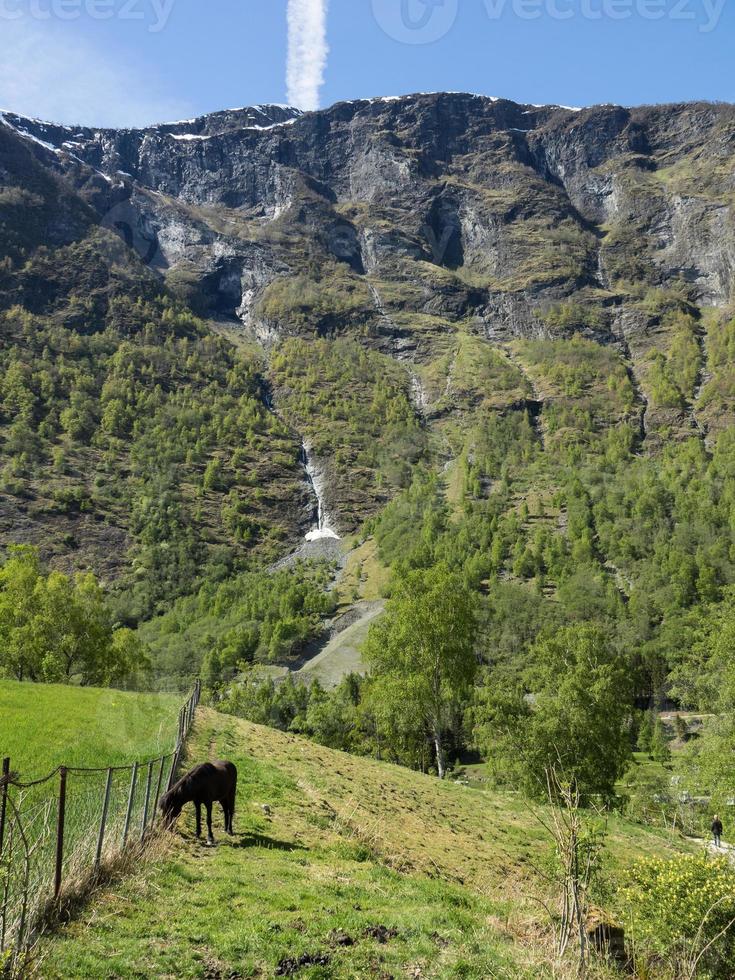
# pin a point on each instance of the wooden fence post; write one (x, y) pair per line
(131, 802)
(148, 782)
(60, 832)
(103, 821)
(4, 801)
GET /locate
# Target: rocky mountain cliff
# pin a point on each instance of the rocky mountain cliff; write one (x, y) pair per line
(463, 182)
(418, 264)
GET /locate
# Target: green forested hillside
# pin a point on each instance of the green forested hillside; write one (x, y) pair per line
(135, 441)
(507, 391)
(468, 360)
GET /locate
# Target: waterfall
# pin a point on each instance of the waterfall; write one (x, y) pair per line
(315, 480)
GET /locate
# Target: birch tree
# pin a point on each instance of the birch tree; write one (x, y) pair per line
(421, 656)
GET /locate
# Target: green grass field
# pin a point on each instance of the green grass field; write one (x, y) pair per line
(44, 725)
(340, 867)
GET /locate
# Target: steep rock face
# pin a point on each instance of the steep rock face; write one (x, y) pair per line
(418, 227)
(460, 182)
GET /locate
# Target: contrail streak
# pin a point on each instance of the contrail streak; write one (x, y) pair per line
(307, 51)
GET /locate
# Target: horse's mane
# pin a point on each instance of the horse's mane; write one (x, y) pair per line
(172, 795)
(186, 782)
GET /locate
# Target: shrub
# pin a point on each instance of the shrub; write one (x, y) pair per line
(680, 914)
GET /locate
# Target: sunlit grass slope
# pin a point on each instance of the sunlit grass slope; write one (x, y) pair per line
(45, 725)
(340, 867)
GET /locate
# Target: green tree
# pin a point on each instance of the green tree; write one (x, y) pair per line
(645, 735)
(705, 677)
(421, 653)
(575, 718)
(20, 652)
(660, 750)
(55, 628)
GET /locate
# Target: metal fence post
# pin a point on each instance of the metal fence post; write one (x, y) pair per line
(158, 787)
(60, 832)
(149, 780)
(131, 802)
(4, 800)
(174, 766)
(172, 770)
(103, 821)
(5, 899)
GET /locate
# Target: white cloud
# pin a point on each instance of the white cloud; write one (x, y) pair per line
(307, 51)
(50, 74)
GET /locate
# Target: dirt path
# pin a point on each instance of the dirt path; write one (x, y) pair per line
(724, 850)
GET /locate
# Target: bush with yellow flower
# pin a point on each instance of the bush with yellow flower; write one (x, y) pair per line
(680, 912)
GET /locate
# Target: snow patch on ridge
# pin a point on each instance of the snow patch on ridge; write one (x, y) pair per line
(29, 136)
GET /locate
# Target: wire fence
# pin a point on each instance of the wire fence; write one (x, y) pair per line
(56, 833)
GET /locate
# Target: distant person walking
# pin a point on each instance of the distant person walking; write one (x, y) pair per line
(717, 831)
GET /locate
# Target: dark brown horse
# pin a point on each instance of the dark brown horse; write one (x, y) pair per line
(208, 783)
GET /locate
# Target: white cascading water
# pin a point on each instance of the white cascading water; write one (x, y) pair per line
(323, 527)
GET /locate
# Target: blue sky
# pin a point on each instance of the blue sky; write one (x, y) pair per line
(131, 62)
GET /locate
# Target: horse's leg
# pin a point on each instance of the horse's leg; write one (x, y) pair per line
(232, 814)
(199, 819)
(210, 835)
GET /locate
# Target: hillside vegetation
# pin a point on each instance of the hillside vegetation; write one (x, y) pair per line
(339, 868)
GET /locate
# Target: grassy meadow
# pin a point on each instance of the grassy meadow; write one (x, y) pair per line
(46, 725)
(339, 868)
